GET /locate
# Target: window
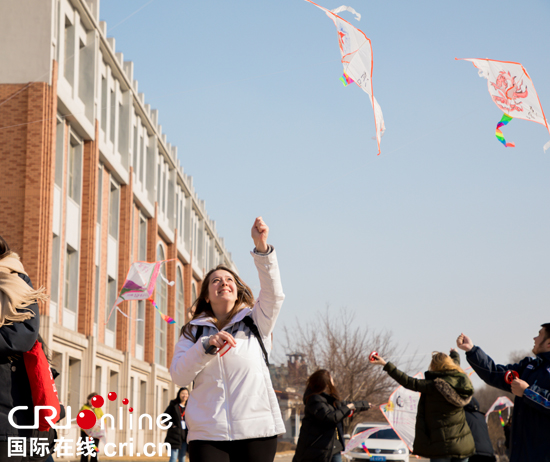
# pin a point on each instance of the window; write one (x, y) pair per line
(180, 304)
(104, 104)
(69, 51)
(111, 299)
(114, 211)
(161, 298)
(142, 239)
(142, 161)
(140, 325)
(59, 153)
(135, 162)
(113, 117)
(193, 292)
(74, 170)
(71, 280)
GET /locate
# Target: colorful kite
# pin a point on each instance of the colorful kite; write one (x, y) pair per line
(356, 51)
(140, 284)
(400, 412)
(501, 403)
(513, 92)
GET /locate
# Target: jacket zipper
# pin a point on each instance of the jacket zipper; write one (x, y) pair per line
(227, 407)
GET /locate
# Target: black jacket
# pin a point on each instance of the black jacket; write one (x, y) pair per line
(531, 416)
(480, 431)
(322, 427)
(175, 435)
(15, 390)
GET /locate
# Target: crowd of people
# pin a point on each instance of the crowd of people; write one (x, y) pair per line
(232, 413)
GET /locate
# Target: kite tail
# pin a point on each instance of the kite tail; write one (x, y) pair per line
(504, 121)
(365, 448)
(167, 318)
(346, 79)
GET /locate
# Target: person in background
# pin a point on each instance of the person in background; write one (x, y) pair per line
(480, 432)
(531, 414)
(321, 434)
(176, 435)
(99, 414)
(441, 431)
(19, 325)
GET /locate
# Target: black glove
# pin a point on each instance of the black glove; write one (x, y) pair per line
(361, 406)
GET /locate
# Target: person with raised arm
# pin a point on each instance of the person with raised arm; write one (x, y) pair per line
(232, 413)
(531, 414)
(441, 433)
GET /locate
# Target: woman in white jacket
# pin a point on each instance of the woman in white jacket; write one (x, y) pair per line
(232, 412)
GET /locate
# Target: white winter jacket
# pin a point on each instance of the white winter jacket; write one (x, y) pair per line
(233, 398)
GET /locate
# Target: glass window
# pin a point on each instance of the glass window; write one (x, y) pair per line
(104, 104)
(114, 211)
(111, 299)
(113, 117)
(180, 304)
(140, 325)
(142, 239)
(74, 170)
(161, 298)
(71, 280)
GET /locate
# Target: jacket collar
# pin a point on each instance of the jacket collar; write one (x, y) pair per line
(208, 321)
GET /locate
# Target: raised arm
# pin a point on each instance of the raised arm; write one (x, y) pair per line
(322, 411)
(269, 302)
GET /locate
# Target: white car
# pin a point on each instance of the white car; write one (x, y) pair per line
(384, 445)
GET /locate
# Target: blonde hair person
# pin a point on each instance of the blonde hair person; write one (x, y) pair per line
(441, 431)
(19, 325)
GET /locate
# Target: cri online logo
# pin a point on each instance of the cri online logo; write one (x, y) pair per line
(86, 419)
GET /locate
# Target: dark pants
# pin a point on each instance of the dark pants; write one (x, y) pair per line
(84, 458)
(250, 450)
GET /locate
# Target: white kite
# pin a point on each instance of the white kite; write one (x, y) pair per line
(501, 403)
(512, 90)
(356, 51)
(400, 412)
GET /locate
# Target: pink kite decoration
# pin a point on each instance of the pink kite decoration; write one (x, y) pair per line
(512, 90)
(356, 51)
(140, 284)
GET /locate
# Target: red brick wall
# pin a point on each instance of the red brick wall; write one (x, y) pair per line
(86, 294)
(27, 147)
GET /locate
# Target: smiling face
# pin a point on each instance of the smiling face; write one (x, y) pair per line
(184, 396)
(222, 290)
(542, 344)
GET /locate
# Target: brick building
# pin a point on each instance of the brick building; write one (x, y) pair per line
(89, 184)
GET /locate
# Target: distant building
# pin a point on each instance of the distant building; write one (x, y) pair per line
(289, 382)
(88, 185)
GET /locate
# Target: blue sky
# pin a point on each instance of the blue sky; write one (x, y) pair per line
(445, 232)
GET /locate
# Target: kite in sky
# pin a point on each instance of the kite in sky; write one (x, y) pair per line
(513, 92)
(356, 51)
(140, 284)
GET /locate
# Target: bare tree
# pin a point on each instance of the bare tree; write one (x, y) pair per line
(336, 342)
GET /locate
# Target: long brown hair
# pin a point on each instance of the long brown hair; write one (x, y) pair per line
(319, 382)
(202, 308)
(442, 362)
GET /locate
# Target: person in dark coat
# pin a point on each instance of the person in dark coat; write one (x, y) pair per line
(441, 431)
(177, 433)
(19, 324)
(321, 435)
(531, 414)
(480, 432)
